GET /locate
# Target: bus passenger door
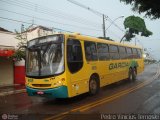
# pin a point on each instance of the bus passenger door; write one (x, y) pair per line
(75, 63)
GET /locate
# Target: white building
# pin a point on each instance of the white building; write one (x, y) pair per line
(10, 72)
(37, 31)
(8, 45)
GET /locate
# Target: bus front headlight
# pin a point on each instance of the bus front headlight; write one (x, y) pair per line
(144, 55)
(58, 83)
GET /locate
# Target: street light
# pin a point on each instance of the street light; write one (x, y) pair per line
(113, 22)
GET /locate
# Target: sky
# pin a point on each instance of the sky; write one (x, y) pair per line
(62, 14)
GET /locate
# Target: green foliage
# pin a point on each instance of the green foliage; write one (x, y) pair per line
(106, 38)
(18, 55)
(22, 37)
(20, 52)
(135, 25)
(151, 8)
(128, 36)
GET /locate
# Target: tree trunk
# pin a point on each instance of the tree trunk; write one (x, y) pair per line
(122, 38)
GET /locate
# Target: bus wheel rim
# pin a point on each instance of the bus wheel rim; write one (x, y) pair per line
(93, 86)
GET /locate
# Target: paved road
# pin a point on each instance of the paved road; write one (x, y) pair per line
(141, 96)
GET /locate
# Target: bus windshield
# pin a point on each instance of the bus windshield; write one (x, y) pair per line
(45, 56)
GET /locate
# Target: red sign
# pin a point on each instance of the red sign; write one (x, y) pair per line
(6, 53)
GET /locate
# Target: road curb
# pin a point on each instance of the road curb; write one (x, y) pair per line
(9, 85)
(12, 92)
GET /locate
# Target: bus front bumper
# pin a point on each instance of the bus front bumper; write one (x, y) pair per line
(59, 92)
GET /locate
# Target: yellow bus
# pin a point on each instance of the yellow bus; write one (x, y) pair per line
(67, 65)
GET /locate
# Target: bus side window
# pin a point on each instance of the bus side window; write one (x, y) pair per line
(139, 53)
(129, 52)
(103, 52)
(74, 55)
(135, 54)
(90, 51)
(122, 52)
(113, 50)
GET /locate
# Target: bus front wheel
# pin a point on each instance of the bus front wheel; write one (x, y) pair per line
(132, 74)
(93, 85)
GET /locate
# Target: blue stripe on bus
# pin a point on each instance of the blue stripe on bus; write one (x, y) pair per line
(59, 92)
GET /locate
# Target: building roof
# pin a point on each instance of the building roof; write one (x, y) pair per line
(40, 27)
(4, 30)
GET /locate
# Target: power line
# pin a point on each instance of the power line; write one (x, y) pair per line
(111, 21)
(85, 7)
(20, 21)
(95, 12)
(37, 8)
(16, 20)
(68, 15)
(50, 20)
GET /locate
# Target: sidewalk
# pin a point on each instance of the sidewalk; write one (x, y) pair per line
(13, 89)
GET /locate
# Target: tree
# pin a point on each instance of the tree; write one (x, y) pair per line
(135, 26)
(22, 38)
(151, 8)
(106, 38)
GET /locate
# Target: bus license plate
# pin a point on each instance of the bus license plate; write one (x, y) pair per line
(40, 93)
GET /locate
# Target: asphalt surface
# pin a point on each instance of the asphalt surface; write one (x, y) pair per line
(139, 97)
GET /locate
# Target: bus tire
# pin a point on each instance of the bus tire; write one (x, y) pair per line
(132, 74)
(94, 85)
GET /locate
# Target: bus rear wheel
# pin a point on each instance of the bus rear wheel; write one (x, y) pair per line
(132, 74)
(93, 85)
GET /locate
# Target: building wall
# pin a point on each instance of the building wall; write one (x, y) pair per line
(19, 72)
(37, 33)
(8, 39)
(10, 74)
(6, 71)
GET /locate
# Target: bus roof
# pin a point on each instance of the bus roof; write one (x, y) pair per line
(94, 39)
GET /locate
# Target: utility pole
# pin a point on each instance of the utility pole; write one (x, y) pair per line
(93, 11)
(103, 27)
(97, 13)
(22, 28)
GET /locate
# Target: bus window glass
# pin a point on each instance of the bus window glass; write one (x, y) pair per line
(134, 50)
(122, 52)
(90, 51)
(45, 56)
(129, 53)
(139, 53)
(74, 55)
(113, 49)
(103, 53)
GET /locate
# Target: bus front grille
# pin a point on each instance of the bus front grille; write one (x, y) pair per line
(41, 85)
